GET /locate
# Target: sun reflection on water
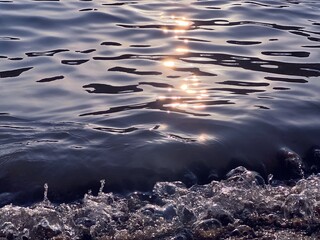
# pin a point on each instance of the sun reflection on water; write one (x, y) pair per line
(176, 24)
(169, 63)
(188, 95)
(183, 23)
(182, 50)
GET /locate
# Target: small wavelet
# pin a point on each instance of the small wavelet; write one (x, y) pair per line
(288, 54)
(46, 53)
(110, 44)
(51, 79)
(87, 51)
(74, 62)
(117, 130)
(290, 80)
(133, 71)
(14, 73)
(108, 89)
(243, 42)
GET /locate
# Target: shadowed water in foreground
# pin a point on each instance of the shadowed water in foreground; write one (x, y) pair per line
(139, 92)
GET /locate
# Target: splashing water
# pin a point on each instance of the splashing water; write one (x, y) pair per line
(45, 194)
(239, 207)
(102, 182)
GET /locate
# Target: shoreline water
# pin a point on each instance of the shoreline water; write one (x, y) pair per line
(239, 207)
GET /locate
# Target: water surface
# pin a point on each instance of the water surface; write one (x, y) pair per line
(137, 92)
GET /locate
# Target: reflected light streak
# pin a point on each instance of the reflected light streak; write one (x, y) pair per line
(179, 31)
(183, 105)
(183, 23)
(184, 87)
(178, 105)
(203, 137)
(203, 93)
(165, 30)
(199, 106)
(162, 97)
(173, 105)
(190, 91)
(193, 79)
(180, 23)
(182, 50)
(159, 127)
(171, 97)
(169, 63)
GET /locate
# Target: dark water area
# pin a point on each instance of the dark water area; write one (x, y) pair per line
(139, 92)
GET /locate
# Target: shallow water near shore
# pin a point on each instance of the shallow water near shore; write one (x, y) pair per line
(236, 208)
(139, 92)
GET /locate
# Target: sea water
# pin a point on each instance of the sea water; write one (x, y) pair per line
(141, 92)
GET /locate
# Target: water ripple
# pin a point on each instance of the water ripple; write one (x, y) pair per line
(153, 87)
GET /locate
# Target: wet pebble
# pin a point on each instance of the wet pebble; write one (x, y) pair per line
(291, 165)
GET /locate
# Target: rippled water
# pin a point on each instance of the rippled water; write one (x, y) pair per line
(137, 92)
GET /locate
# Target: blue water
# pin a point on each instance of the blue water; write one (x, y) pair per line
(137, 92)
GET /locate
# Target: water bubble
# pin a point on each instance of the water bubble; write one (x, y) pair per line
(163, 189)
(169, 212)
(297, 206)
(8, 229)
(186, 216)
(217, 212)
(242, 175)
(25, 234)
(44, 230)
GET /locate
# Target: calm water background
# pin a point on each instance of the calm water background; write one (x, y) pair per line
(136, 92)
